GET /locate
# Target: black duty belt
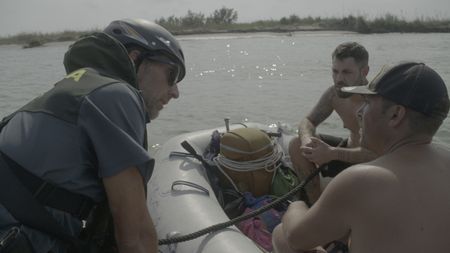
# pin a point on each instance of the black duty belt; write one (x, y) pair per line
(51, 195)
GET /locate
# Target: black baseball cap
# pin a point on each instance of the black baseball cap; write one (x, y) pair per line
(411, 84)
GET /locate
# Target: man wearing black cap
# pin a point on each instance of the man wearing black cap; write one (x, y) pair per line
(399, 202)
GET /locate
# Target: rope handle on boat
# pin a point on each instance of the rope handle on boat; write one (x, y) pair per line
(180, 154)
(236, 220)
(187, 183)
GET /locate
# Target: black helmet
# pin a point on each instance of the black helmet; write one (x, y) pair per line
(151, 37)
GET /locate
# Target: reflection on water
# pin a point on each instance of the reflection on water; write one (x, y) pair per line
(260, 77)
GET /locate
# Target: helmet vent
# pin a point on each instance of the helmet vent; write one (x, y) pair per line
(165, 41)
(117, 31)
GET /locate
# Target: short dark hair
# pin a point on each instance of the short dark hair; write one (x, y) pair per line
(419, 122)
(353, 50)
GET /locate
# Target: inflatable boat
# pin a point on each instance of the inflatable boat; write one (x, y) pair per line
(181, 199)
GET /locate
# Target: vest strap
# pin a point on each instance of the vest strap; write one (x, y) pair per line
(51, 195)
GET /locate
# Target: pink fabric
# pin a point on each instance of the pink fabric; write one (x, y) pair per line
(260, 228)
(255, 230)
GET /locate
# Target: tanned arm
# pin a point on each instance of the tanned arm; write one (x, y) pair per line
(320, 112)
(320, 153)
(353, 155)
(302, 164)
(134, 229)
(316, 150)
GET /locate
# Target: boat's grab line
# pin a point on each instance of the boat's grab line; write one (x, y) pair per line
(187, 183)
(236, 220)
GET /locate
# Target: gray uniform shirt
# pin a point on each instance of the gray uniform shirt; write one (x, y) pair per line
(107, 139)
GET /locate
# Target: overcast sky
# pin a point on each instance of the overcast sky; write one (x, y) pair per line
(58, 15)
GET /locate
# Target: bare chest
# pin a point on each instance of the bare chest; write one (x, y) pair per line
(347, 110)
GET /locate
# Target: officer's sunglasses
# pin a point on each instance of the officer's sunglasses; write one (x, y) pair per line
(174, 69)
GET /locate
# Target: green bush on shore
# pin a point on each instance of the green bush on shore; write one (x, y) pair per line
(28, 39)
(225, 20)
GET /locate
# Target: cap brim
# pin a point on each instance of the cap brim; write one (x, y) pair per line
(358, 90)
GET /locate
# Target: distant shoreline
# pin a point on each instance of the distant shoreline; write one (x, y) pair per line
(213, 34)
(285, 29)
(388, 24)
(30, 40)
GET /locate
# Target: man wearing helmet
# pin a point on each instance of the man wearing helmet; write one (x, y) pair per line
(151, 42)
(90, 134)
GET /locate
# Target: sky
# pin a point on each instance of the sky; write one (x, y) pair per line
(18, 16)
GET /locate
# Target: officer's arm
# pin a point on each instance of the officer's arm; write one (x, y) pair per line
(134, 229)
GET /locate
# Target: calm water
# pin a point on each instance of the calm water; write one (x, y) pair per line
(266, 78)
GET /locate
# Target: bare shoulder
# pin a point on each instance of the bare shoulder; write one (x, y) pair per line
(324, 107)
(330, 94)
(442, 150)
(344, 200)
(358, 183)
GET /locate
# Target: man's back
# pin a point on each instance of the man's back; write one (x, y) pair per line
(404, 202)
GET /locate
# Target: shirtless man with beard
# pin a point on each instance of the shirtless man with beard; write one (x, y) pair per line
(398, 202)
(310, 150)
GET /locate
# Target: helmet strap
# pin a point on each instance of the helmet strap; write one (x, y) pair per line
(138, 61)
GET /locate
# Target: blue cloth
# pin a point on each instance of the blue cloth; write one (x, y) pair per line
(271, 218)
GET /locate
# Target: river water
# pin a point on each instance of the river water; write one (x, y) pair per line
(261, 77)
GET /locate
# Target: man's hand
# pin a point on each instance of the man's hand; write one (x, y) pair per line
(318, 152)
(305, 140)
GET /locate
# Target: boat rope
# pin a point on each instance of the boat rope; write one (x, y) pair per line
(239, 151)
(268, 162)
(236, 220)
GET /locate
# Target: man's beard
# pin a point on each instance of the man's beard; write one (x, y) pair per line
(360, 82)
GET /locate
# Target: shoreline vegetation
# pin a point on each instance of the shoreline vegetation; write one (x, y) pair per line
(224, 20)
